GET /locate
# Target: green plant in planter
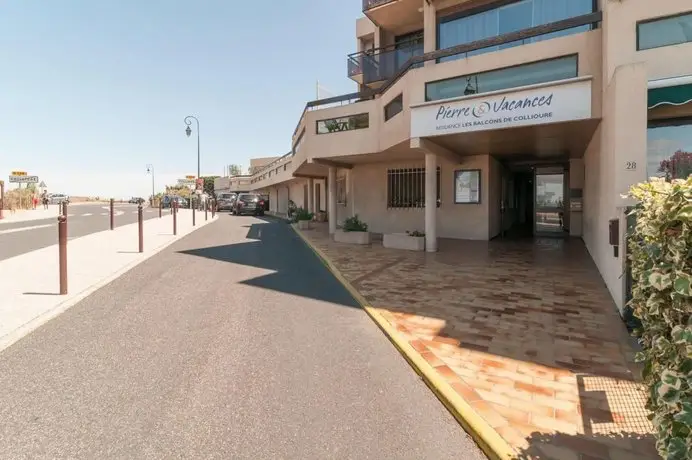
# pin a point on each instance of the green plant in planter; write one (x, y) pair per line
(302, 214)
(661, 260)
(415, 233)
(354, 224)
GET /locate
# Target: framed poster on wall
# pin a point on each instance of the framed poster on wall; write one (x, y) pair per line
(467, 186)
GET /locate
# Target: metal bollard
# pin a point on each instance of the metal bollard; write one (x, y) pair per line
(192, 208)
(2, 197)
(64, 208)
(62, 253)
(140, 222)
(213, 209)
(206, 208)
(160, 207)
(175, 218)
(112, 214)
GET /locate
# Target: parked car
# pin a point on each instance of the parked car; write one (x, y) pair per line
(136, 200)
(57, 198)
(248, 203)
(169, 199)
(225, 201)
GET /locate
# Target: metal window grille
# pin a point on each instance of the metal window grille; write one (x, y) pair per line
(341, 191)
(406, 188)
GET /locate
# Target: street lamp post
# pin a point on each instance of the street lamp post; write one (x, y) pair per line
(188, 131)
(150, 170)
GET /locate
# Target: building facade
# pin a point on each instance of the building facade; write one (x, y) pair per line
(480, 119)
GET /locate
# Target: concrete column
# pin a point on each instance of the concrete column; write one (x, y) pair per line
(430, 202)
(429, 29)
(331, 200)
(311, 195)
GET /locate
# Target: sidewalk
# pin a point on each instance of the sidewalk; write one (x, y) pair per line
(25, 215)
(520, 339)
(29, 284)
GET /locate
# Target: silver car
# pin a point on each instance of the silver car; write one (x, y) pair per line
(225, 201)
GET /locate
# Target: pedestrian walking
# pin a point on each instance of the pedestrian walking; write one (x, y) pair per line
(44, 199)
(34, 201)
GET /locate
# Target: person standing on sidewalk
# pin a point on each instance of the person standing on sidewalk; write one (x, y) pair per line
(34, 201)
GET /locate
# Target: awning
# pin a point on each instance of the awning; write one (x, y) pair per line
(672, 91)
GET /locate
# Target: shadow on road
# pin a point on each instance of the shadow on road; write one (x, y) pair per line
(273, 245)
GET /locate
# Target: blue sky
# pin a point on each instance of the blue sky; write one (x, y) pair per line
(92, 91)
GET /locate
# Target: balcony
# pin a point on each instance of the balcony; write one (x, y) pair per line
(392, 13)
(375, 66)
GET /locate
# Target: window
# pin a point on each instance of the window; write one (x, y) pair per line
(463, 28)
(669, 149)
(395, 106)
(510, 77)
(299, 142)
(335, 125)
(664, 32)
(406, 188)
(341, 191)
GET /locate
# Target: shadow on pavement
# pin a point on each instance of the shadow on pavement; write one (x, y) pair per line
(274, 246)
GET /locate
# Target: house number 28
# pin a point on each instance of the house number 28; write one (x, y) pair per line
(630, 165)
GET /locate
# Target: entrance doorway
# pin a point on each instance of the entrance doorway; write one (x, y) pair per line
(550, 204)
(533, 201)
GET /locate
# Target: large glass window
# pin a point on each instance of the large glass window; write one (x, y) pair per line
(510, 77)
(516, 16)
(664, 32)
(348, 123)
(669, 149)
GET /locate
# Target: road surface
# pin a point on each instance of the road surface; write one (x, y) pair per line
(17, 238)
(233, 343)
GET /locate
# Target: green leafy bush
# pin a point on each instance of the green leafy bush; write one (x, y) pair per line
(661, 259)
(354, 224)
(302, 214)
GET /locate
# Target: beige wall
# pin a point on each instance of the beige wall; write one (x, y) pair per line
(464, 221)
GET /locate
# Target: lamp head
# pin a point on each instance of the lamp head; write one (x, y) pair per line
(188, 131)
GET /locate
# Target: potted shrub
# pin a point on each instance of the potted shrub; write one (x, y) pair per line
(411, 241)
(321, 216)
(303, 218)
(353, 231)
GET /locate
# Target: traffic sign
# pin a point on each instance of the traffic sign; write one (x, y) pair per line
(190, 177)
(186, 182)
(23, 179)
(42, 185)
(18, 173)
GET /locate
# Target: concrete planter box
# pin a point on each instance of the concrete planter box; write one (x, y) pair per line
(403, 241)
(352, 237)
(304, 224)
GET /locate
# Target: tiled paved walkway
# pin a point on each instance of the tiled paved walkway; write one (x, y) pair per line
(525, 331)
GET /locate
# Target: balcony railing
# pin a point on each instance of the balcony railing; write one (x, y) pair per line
(383, 63)
(369, 4)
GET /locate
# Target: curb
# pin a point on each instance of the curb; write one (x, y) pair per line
(33, 324)
(490, 442)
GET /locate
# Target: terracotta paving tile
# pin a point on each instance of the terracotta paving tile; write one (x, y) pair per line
(525, 331)
(535, 389)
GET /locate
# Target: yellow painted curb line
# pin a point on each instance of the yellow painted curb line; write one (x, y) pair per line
(492, 444)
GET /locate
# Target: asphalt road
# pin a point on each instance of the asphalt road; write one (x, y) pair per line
(235, 342)
(20, 237)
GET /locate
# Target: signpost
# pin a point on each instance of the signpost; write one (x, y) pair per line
(21, 177)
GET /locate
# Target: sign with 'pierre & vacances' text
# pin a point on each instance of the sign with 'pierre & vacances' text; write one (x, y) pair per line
(550, 104)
